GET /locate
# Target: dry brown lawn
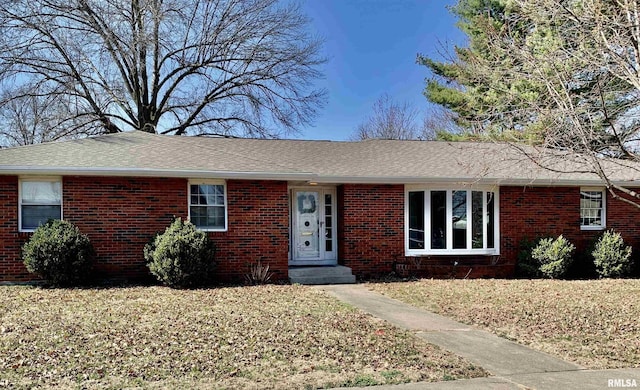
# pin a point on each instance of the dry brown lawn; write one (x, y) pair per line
(593, 323)
(245, 337)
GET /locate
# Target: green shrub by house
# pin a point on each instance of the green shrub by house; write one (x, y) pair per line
(182, 256)
(59, 253)
(527, 266)
(554, 256)
(611, 257)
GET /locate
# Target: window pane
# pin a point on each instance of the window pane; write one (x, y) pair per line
(438, 219)
(215, 217)
(591, 206)
(34, 216)
(476, 219)
(459, 219)
(208, 217)
(416, 220)
(41, 192)
(490, 220)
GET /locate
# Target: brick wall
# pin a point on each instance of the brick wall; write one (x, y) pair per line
(11, 267)
(371, 239)
(534, 212)
(258, 229)
(370, 227)
(121, 215)
(371, 230)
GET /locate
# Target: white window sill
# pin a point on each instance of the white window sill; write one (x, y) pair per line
(591, 227)
(212, 229)
(452, 252)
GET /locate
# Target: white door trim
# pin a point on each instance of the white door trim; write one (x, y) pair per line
(324, 257)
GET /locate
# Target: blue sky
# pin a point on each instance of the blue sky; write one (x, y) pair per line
(371, 46)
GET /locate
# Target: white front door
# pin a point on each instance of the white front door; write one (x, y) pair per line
(313, 227)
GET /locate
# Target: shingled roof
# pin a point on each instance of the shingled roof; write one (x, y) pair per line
(373, 161)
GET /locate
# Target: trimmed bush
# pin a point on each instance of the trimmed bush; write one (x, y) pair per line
(182, 256)
(59, 253)
(554, 256)
(611, 257)
(527, 266)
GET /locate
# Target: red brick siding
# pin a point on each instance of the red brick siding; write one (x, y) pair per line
(370, 227)
(535, 212)
(258, 229)
(371, 238)
(121, 215)
(625, 219)
(11, 267)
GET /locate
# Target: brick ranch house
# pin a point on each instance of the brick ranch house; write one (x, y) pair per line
(371, 207)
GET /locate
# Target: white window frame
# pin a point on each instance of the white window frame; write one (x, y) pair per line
(223, 183)
(449, 215)
(604, 208)
(38, 179)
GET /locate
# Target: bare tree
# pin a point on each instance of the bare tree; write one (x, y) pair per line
(439, 121)
(575, 83)
(390, 120)
(242, 67)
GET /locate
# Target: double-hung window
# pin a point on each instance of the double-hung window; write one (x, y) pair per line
(39, 201)
(451, 221)
(208, 205)
(592, 209)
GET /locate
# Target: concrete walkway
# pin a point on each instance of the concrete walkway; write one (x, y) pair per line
(512, 365)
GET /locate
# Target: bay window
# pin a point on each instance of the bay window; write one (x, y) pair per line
(451, 221)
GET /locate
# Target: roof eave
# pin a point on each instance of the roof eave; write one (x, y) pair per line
(520, 182)
(152, 172)
(300, 176)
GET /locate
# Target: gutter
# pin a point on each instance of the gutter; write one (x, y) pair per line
(302, 176)
(152, 172)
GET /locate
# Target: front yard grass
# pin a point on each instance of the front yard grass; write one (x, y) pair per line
(243, 337)
(593, 323)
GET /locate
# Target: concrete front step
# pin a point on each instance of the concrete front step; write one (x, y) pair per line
(321, 275)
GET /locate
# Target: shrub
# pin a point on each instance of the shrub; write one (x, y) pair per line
(611, 257)
(258, 274)
(527, 266)
(58, 253)
(182, 256)
(554, 255)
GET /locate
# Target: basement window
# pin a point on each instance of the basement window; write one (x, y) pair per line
(208, 205)
(39, 201)
(451, 221)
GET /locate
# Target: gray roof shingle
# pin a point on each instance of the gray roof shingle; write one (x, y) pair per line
(372, 161)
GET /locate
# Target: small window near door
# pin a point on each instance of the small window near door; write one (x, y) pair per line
(40, 201)
(592, 209)
(208, 206)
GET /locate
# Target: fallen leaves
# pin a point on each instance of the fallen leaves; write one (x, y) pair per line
(593, 323)
(260, 337)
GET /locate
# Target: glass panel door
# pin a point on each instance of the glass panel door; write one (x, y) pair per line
(314, 233)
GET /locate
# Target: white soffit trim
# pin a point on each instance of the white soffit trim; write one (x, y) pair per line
(299, 176)
(142, 172)
(470, 181)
